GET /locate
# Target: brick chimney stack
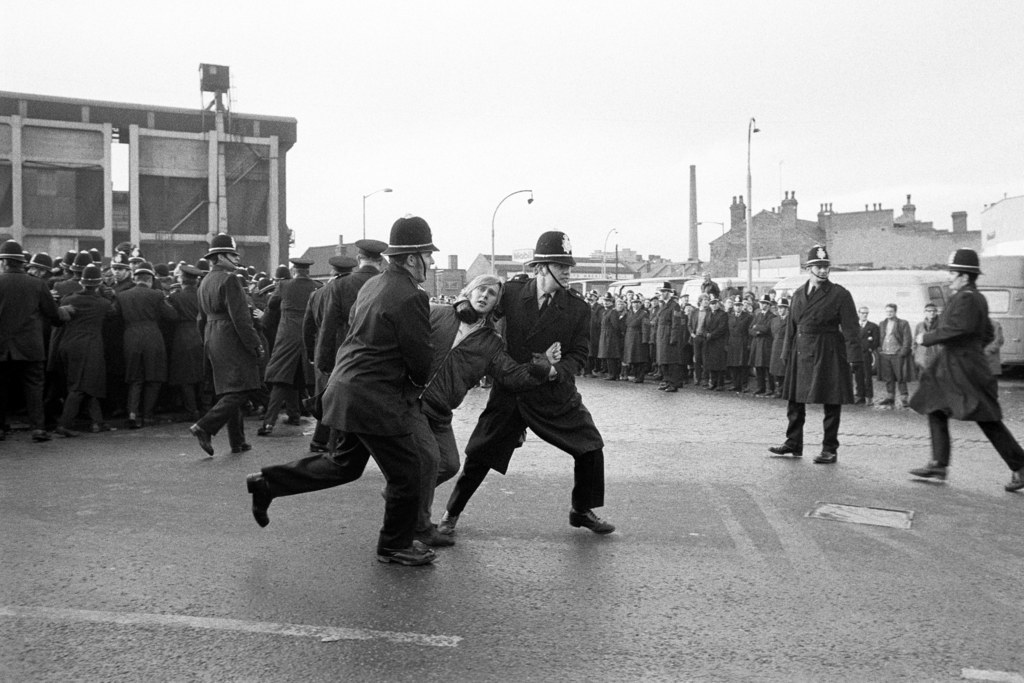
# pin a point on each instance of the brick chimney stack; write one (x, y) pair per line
(789, 205)
(737, 214)
(960, 221)
(909, 211)
(453, 262)
(341, 244)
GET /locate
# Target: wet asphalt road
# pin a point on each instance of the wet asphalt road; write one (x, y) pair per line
(131, 556)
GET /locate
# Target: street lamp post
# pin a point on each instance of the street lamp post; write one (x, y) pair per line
(751, 129)
(604, 254)
(383, 189)
(494, 270)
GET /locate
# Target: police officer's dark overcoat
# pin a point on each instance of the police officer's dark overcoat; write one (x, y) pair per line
(671, 334)
(340, 298)
(761, 339)
(613, 333)
(186, 359)
(554, 411)
(958, 382)
(739, 331)
(80, 352)
(385, 355)
(288, 359)
(716, 346)
(818, 332)
(634, 346)
(145, 355)
(229, 339)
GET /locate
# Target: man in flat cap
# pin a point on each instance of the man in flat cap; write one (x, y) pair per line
(540, 311)
(372, 397)
(288, 372)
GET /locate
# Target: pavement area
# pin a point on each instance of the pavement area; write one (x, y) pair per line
(130, 556)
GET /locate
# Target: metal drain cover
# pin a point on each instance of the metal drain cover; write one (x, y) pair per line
(857, 514)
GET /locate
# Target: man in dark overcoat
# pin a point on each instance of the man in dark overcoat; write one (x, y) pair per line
(672, 333)
(142, 309)
(231, 344)
(597, 310)
(863, 365)
(540, 311)
(739, 331)
(289, 372)
(777, 367)
(25, 301)
(958, 382)
(716, 344)
(372, 397)
(312, 322)
(340, 297)
(634, 344)
(761, 346)
(822, 325)
(187, 364)
(613, 331)
(80, 353)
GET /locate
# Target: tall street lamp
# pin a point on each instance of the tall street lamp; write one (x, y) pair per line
(383, 189)
(604, 254)
(494, 270)
(751, 129)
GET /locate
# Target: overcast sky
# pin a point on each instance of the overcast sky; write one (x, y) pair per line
(599, 107)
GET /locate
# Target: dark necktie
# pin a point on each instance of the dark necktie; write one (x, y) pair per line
(544, 300)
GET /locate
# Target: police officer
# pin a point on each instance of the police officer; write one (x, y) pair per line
(311, 324)
(288, 372)
(24, 302)
(958, 382)
(821, 317)
(231, 344)
(540, 311)
(372, 396)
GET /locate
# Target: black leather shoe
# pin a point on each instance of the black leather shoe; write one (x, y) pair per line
(205, 441)
(826, 458)
(134, 422)
(241, 448)
(785, 449)
(294, 421)
(930, 471)
(588, 519)
(265, 430)
(415, 555)
(1016, 481)
(315, 447)
(435, 539)
(261, 497)
(670, 389)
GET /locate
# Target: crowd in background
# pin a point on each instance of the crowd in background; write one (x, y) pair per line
(734, 342)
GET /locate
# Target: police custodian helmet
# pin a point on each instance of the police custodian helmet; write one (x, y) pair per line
(964, 261)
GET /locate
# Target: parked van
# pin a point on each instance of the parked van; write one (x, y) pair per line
(910, 290)
(584, 285)
(760, 286)
(1002, 283)
(647, 287)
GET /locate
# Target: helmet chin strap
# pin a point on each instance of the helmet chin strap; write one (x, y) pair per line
(547, 267)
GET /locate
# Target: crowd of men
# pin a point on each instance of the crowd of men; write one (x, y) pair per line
(119, 338)
(735, 343)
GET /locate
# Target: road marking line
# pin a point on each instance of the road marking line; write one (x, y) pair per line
(986, 675)
(324, 633)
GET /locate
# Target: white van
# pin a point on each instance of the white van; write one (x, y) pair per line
(648, 287)
(910, 290)
(1002, 283)
(760, 286)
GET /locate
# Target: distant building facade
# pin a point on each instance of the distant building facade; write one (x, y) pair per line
(192, 173)
(873, 238)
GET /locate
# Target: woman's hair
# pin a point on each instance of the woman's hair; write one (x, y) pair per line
(481, 281)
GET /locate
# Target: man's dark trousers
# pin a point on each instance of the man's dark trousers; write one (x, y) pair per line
(797, 414)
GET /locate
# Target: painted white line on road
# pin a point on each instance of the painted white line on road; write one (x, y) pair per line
(985, 675)
(324, 633)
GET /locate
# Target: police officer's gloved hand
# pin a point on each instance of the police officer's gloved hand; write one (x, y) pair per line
(465, 312)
